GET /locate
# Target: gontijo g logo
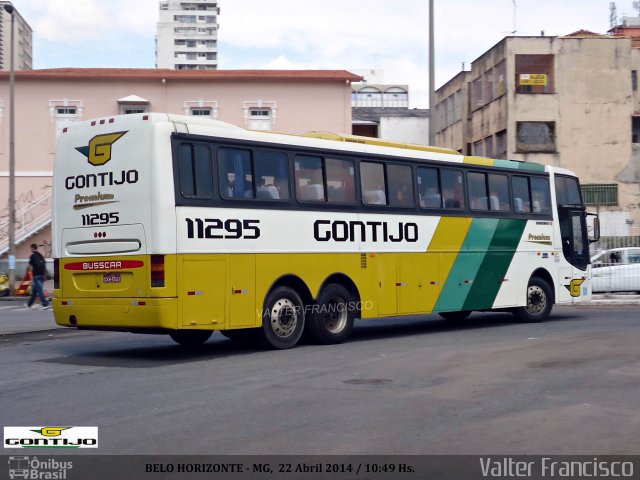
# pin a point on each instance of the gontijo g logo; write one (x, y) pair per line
(99, 149)
(50, 437)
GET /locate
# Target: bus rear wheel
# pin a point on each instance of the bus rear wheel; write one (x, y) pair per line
(190, 338)
(455, 316)
(539, 302)
(333, 315)
(282, 319)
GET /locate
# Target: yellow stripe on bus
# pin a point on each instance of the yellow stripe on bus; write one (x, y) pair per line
(479, 161)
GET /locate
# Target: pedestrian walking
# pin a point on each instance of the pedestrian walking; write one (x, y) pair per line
(38, 269)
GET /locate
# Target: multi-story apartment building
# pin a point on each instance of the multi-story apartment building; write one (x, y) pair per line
(23, 44)
(187, 35)
(288, 101)
(569, 101)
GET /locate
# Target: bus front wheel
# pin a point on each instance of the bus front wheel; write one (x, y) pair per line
(333, 315)
(282, 318)
(539, 302)
(190, 338)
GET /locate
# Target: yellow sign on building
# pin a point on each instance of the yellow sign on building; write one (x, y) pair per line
(533, 79)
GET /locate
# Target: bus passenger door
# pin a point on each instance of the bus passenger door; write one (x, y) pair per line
(202, 291)
(573, 282)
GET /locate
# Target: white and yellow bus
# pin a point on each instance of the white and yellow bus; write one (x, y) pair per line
(181, 225)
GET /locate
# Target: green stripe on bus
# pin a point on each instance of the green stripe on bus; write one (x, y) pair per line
(468, 262)
(526, 166)
(531, 167)
(494, 266)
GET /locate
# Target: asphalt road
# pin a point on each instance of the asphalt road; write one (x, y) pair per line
(413, 386)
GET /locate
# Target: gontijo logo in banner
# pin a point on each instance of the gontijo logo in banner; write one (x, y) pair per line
(99, 149)
(50, 437)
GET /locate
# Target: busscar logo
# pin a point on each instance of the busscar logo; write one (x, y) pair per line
(98, 152)
(50, 437)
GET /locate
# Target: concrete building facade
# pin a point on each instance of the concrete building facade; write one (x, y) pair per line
(23, 47)
(287, 101)
(568, 101)
(187, 35)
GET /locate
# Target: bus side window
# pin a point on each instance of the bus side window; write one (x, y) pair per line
(477, 185)
(521, 195)
(236, 177)
(272, 175)
(341, 183)
(194, 170)
(429, 188)
(372, 183)
(452, 188)
(541, 202)
(309, 179)
(400, 185)
(499, 193)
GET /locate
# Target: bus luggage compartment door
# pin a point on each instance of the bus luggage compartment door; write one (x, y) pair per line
(202, 291)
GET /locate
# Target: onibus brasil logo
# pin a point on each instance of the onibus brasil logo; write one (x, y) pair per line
(98, 152)
(50, 437)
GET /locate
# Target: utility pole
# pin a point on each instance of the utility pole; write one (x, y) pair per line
(12, 156)
(432, 80)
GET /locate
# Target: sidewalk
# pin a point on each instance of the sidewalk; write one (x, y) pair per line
(13, 313)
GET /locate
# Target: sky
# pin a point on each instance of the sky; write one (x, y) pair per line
(391, 36)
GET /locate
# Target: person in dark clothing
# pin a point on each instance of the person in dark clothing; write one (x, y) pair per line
(37, 267)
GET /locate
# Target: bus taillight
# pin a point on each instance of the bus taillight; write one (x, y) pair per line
(157, 270)
(56, 273)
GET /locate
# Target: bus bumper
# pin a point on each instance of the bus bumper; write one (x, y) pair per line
(117, 313)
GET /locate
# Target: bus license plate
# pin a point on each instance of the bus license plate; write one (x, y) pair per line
(111, 278)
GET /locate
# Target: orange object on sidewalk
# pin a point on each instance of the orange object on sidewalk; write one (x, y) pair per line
(23, 288)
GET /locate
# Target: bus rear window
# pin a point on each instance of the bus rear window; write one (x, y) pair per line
(195, 171)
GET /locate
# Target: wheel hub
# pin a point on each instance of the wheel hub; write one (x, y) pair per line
(284, 317)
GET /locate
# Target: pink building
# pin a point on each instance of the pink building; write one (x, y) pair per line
(288, 101)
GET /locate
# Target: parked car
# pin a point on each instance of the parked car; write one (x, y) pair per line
(616, 270)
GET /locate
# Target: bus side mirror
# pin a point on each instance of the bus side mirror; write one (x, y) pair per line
(596, 228)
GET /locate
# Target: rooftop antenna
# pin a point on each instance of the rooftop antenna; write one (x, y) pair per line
(515, 30)
(636, 5)
(613, 15)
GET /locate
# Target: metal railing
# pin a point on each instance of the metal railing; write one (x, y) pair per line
(29, 220)
(616, 264)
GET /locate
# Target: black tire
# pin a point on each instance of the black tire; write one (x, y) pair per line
(282, 319)
(333, 314)
(190, 338)
(539, 302)
(455, 316)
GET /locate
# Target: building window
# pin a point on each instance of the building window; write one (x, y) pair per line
(635, 129)
(476, 94)
(201, 112)
(488, 147)
(634, 80)
(535, 137)
(499, 83)
(64, 113)
(534, 74)
(501, 144)
(603, 194)
(259, 114)
(130, 109)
